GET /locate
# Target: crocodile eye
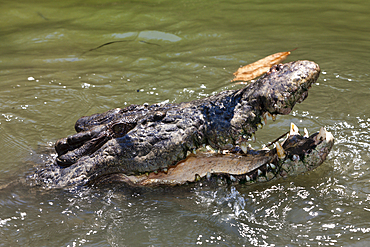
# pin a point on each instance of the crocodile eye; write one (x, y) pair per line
(118, 128)
(159, 115)
(121, 129)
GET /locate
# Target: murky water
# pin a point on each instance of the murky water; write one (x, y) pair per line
(53, 70)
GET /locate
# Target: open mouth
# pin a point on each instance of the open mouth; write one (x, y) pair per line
(149, 145)
(292, 156)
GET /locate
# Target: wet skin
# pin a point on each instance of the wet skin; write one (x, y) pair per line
(143, 139)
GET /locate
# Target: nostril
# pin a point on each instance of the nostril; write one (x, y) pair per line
(279, 67)
(275, 68)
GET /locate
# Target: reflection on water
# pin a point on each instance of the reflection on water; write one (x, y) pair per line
(62, 60)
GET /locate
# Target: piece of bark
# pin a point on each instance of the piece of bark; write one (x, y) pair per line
(253, 70)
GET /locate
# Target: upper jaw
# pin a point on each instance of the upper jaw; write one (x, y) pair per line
(281, 93)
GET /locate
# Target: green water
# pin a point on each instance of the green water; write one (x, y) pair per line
(53, 71)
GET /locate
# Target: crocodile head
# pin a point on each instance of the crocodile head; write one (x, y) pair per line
(142, 139)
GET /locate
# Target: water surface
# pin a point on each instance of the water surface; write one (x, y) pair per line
(54, 69)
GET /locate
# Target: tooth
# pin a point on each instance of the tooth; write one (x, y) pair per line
(253, 138)
(322, 134)
(273, 117)
(267, 166)
(264, 147)
(197, 178)
(259, 125)
(306, 133)
(155, 172)
(273, 166)
(269, 176)
(247, 178)
(165, 170)
(232, 178)
(286, 138)
(280, 151)
(264, 117)
(295, 157)
(194, 151)
(244, 147)
(147, 174)
(293, 129)
(259, 172)
(208, 175)
(329, 137)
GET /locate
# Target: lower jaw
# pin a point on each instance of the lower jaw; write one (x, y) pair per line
(255, 167)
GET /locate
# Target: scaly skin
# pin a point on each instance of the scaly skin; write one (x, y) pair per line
(301, 154)
(139, 139)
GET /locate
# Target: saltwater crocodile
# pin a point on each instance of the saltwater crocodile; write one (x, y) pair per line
(142, 144)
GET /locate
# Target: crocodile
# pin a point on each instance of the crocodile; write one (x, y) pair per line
(145, 145)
